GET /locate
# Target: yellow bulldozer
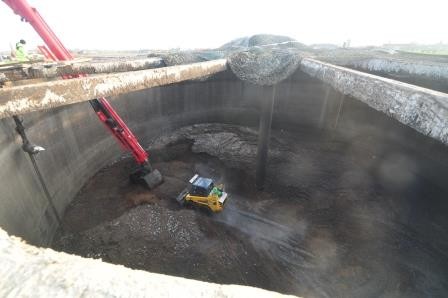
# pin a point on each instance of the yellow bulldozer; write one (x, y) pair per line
(202, 192)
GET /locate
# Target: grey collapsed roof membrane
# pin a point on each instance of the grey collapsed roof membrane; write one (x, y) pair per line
(259, 59)
(264, 65)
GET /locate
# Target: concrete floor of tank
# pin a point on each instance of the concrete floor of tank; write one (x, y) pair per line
(356, 239)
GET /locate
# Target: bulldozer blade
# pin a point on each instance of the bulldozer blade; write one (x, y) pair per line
(181, 197)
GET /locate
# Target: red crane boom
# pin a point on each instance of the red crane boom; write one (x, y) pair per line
(102, 107)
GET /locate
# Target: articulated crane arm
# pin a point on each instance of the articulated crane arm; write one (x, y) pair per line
(102, 107)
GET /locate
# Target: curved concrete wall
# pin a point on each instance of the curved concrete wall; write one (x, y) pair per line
(78, 146)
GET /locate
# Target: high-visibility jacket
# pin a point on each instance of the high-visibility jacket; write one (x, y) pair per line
(21, 54)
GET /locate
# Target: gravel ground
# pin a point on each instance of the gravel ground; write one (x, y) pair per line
(336, 219)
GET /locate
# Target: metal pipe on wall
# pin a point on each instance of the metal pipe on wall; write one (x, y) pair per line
(264, 133)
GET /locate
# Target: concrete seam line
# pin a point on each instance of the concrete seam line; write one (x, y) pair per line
(424, 110)
(24, 99)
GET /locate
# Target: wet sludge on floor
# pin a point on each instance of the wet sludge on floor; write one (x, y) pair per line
(326, 224)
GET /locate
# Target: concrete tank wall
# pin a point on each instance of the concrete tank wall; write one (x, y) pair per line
(78, 146)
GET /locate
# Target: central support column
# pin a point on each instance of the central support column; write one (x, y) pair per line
(264, 134)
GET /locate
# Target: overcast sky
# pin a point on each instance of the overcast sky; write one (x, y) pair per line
(132, 24)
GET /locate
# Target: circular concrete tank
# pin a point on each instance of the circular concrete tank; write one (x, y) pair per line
(404, 163)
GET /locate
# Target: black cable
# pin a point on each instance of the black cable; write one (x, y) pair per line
(21, 131)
